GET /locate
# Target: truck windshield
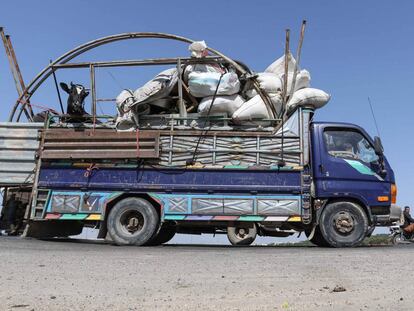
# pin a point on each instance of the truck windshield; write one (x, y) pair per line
(349, 144)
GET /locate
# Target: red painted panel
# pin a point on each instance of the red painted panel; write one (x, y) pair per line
(52, 216)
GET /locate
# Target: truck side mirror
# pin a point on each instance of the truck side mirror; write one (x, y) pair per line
(379, 149)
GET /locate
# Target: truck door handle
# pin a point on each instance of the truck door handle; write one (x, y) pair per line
(321, 168)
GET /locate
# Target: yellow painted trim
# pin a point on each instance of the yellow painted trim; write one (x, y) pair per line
(94, 217)
(294, 219)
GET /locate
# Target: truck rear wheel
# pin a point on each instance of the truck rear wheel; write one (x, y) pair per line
(165, 234)
(343, 224)
(317, 237)
(132, 221)
(241, 235)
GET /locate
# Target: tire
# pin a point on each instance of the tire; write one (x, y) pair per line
(165, 234)
(241, 236)
(343, 224)
(397, 239)
(317, 237)
(132, 221)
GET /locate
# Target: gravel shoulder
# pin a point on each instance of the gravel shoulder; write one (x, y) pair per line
(84, 275)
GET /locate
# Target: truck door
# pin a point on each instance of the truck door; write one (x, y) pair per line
(346, 165)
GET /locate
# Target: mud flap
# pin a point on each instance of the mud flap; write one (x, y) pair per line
(51, 228)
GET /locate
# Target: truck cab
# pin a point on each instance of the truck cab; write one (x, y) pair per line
(354, 185)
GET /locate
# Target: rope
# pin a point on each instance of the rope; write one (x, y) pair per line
(137, 142)
(90, 169)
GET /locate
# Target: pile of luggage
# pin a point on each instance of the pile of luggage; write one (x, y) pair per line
(215, 88)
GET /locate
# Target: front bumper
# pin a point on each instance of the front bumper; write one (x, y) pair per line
(387, 220)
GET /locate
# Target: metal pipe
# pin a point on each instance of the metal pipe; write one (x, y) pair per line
(58, 92)
(139, 62)
(12, 64)
(93, 93)
(285, 77)
(298, 54)
(46, 72)
(181, 107)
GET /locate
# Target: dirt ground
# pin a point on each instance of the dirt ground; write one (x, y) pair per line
(84, 275)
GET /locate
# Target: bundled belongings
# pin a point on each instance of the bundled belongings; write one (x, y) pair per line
(213, 87)
(255, 109)
(222, 104)
(202, 84)
(314, 98)
(157, 88)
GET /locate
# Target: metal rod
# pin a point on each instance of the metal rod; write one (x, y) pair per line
(298, 54)
(285, 77)
(9, 58)
(93, 93)
(14, 67)
(142, 62)
(181, 107)
(46, 72)
(285, 81)
(58, 92)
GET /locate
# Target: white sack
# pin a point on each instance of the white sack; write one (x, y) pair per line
(203, 84)
(158, 87)
(278, 66)
(269, 82)
(198, 49)
(126, 97)
(222, 104)
(308, 97)
(201, 68)
(302, 80)
(255, 108)
(128, 111)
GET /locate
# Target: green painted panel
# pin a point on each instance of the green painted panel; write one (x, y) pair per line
(251, 218)
(241, 167)
(174, 217)
(361, 168)
(73, 216)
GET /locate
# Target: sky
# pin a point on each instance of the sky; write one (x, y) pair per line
(353, 50)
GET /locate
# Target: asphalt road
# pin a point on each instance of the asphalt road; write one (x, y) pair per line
(84, 275)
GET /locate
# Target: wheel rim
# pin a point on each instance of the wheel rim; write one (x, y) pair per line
(344, 222)
(242, 233)
(131, 222)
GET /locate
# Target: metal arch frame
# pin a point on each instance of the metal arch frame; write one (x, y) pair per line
(65, 58)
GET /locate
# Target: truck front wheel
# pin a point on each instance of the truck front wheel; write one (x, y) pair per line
(241, 235)
(343, 224)
(132, 221)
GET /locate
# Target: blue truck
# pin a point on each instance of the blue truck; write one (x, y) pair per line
(329, 180)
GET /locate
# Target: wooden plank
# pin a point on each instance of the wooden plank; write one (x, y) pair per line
(101, 154)
(94, 144)
(98, 134)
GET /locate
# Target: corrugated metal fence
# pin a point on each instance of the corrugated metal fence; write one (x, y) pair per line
(18, 145)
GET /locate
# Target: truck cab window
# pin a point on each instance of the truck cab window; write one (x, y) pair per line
(349, 145)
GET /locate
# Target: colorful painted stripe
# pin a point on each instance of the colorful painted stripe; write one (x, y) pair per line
(277, 218)
(174, 217)
(53, 216)
(254, 218)
(73, 216)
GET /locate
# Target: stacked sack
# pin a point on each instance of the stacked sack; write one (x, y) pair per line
(219, 90)
(206, 80)
(271, 82)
